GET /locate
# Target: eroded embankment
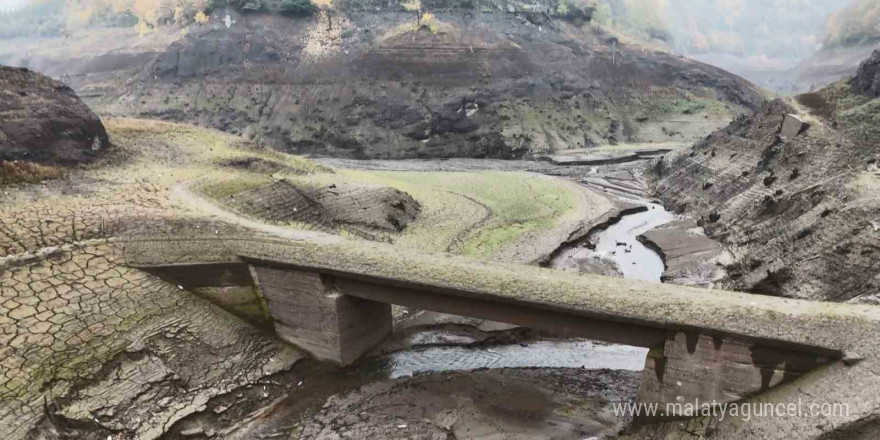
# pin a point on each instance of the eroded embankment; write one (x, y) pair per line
(797, 206)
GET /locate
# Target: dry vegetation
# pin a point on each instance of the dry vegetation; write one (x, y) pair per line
(15, 172)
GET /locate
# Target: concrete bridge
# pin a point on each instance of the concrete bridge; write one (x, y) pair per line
(331, 297)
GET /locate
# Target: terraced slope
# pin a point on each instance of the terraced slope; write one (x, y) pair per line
(800, 213)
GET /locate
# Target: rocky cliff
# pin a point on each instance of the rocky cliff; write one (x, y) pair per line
(792, 191)
(867, 79)
(43, 121)
(467, 83)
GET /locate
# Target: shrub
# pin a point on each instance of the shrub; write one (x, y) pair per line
(297, 7)
(201, 18)
(254, 6)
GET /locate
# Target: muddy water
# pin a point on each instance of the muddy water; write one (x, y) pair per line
(619, 244)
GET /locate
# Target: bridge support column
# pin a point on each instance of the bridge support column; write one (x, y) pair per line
(693, 369)
(309, 312)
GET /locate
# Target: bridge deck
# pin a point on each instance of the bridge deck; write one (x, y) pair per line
(821, 328)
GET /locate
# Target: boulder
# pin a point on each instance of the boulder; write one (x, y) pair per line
(792, 126)
(43, 121)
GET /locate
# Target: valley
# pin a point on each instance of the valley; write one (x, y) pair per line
(450, 220)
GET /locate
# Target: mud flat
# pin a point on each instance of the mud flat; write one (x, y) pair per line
(468, 387)
(691, 258)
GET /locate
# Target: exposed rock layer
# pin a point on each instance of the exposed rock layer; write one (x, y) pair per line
(363, 209)
(867, 80)
(799, 213)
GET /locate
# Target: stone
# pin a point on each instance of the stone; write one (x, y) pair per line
(310, 313)
(852, 359)
(867, 79)
(45, 121)
(793, 126)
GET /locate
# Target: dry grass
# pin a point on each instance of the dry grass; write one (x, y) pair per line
(18, 172)
(221, 190)
(181, 145)
(484, 214)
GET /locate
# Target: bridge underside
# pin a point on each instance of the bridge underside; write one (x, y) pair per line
(339, 318)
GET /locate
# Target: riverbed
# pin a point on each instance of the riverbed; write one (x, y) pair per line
(619, 244)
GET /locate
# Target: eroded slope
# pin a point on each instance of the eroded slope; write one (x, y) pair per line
(472, 84)
(800, 213)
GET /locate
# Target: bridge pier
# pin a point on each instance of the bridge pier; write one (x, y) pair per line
(311, 313)
(694, 369)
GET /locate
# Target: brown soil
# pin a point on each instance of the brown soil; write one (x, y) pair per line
(511, 404)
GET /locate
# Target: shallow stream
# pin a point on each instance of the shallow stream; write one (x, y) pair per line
(619, 244)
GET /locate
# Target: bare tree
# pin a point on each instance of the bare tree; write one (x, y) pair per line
(414, 6)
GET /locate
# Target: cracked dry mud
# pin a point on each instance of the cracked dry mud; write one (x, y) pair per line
(102, 349)
(93, 349)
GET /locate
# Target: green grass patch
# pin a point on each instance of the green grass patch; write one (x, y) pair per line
(664, 106)
(863, 121)
(474, 213)
(858, 114)
(221, 190)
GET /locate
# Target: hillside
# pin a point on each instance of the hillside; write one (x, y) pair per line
(796, 205)
(467, 83)
(826, 66)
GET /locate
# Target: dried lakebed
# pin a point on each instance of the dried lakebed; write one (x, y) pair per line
(443, 377)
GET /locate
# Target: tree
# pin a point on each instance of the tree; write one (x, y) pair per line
(201, 17)
(326, 7)
(414, 6)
